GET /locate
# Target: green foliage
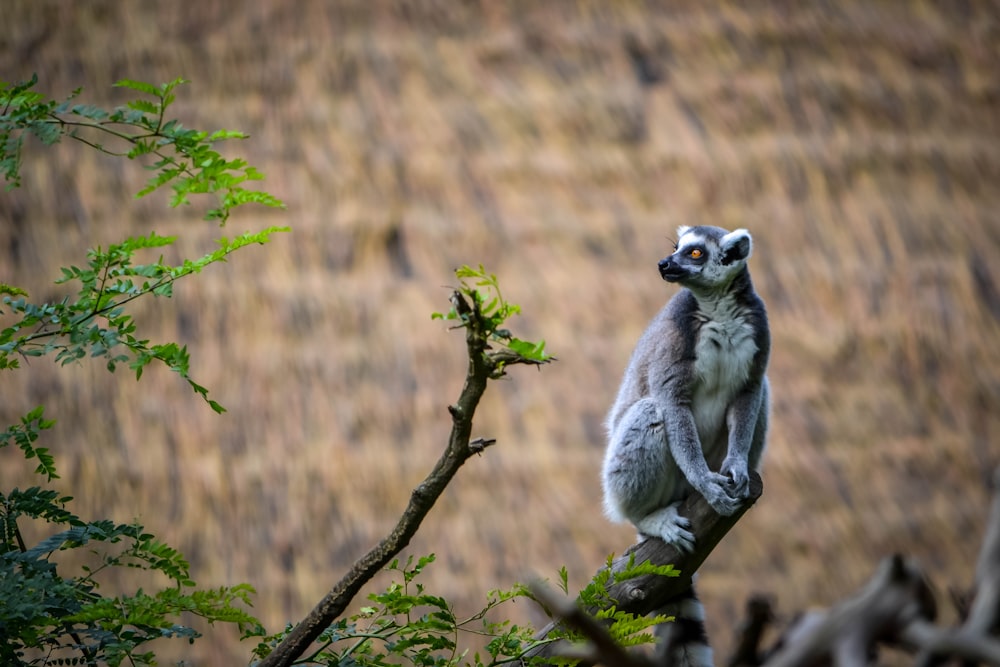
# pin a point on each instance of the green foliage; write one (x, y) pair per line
(624, 627)
(25, 434)
(48, 616)
(63, 618)
(95, 322)
(184, 158)
(406, 625)
(483, 290)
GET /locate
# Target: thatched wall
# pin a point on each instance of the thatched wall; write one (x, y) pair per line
(560, 144)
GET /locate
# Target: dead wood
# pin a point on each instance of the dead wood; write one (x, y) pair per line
(897, 607)
(749, 651)
(976, 640)
(897, 595)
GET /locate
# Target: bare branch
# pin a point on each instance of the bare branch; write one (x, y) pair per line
(973, 640)
(748, 651)
(937, 644)
(896, 596)
(984, 616)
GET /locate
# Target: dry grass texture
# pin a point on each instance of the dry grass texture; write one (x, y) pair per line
(858, 142)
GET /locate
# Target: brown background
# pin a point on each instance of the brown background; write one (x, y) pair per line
(856, 140)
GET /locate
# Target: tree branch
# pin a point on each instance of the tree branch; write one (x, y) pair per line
(984, 616)
(645, 594)
(748, 651)
(482, 367)
(896, 596)
(977, 638)
(897, 607)
(938, 645)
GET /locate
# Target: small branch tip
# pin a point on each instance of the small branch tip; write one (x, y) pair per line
(479, 444)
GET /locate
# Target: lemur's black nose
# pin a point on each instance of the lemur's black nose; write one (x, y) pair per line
(670, 270)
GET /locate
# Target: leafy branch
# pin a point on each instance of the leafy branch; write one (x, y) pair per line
(184, 158)
(40, 606)
(47, 617)
(482, 325)
(96, 322)
(478, 302)
(24, 436)
(404, 624)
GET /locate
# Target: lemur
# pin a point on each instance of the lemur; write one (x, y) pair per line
(692, 409)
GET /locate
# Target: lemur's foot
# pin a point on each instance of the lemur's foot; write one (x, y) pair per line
(667, 524)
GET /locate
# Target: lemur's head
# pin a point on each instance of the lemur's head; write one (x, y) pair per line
(707, 258)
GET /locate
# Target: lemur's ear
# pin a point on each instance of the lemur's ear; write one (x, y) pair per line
(682, 230)
(736, 246)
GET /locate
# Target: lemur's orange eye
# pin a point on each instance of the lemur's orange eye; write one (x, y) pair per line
(695, 254)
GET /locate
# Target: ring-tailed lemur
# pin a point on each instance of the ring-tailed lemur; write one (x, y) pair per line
(692, 410)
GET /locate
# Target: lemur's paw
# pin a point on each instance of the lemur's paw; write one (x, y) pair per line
(738, 477)
(717, 491)
(667, 524)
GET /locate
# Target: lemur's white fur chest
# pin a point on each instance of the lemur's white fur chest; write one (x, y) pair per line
(724, 353)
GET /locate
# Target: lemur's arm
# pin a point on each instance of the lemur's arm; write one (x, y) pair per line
(674, 396)
(741, 420)
(744, 412)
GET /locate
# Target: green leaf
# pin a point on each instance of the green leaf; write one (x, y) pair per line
(165, 88)
(144, 106)
(140, 86)
(89, 111)
(529, 350)
(25, 434)
(219, 135)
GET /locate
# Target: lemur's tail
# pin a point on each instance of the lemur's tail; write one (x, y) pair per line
(683, 642)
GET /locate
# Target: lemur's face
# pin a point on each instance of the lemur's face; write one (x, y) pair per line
(706, 257)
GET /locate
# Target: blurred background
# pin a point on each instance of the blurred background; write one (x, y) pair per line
(560, 144)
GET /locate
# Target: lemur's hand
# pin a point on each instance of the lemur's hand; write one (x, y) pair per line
(734, 469)
(716, 489)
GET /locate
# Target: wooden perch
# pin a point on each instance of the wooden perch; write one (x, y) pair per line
(645, 594)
